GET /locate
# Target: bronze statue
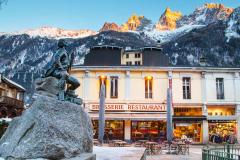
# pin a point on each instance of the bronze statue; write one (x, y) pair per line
(60, 67)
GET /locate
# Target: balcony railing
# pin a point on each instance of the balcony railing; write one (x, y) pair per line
(11, 101)
(226, 152)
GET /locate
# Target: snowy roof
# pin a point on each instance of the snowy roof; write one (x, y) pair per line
(106, 46)
(12, 83)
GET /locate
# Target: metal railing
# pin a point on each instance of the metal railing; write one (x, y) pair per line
(223, 152)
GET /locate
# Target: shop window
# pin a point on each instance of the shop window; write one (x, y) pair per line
(137, 63)
(129, 63)
(102, 80)
(220, 88)
(127, 55)
(220, 131)
(193, 131)
(148, 130)
(186, 87)
(188, 111)
(148, 87)
(114, 87)
(221, 111)
(113, 130)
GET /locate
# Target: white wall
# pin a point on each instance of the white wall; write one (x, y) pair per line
(228, 87)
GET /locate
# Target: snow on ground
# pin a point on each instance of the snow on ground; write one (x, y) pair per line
(6, 119)
(167, 35)
(117, 153)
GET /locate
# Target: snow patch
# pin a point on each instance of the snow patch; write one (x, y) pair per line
(167, 35)
(6, 119)
(231, 31)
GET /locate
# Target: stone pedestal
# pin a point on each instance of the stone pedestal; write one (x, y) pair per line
(49, 129)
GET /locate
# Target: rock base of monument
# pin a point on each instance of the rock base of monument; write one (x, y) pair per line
(49, 129)
(85, 156)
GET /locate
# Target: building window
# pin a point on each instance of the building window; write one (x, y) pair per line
(127, 55)
(220, 88)
(186, 88)
(102, 80)
(129, 63)
(148, 87)
(137, 63)
(137, 55)
(114, 87)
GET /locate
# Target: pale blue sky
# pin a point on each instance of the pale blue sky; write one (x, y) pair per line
(89, 14)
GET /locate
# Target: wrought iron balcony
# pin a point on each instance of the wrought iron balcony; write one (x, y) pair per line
(8, 101)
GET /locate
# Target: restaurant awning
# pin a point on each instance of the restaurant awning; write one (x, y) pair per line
(131, 116)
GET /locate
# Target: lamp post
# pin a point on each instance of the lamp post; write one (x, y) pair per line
(101, 124)
(169, 116)
(169, 109)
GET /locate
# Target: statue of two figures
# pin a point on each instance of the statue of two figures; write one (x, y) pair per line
(57, 80)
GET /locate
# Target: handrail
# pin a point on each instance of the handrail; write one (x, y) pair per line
(223, 152)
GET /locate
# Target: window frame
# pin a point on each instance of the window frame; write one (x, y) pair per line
(186, 87)
(105, 83)
(220, 88)
(114, 88)
(148, 87)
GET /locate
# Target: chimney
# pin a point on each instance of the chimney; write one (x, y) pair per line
(202, 61)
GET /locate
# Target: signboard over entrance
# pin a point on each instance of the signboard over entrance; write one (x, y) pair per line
(149, 107)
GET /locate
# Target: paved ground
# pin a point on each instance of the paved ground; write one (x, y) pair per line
(195, 154)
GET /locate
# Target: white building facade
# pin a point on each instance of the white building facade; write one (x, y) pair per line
(206, 101)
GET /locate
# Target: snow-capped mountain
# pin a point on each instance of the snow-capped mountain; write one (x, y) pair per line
(233, 29)
(168, 20)
(57, 33)
(24, 55)
(209, 13)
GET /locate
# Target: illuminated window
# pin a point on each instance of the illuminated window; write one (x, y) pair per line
(148, 87)
(114, 87)
(102, 80)
(186, 88)
(220, 88)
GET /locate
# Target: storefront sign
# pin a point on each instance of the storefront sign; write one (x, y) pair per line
(132, 107)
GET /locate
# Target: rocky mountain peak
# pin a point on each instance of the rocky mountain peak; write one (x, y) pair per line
(208, 13)
(168, 20)
(110, 26)
(132, 23)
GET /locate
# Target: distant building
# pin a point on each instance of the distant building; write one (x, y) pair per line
(117, 56)
(11, 100)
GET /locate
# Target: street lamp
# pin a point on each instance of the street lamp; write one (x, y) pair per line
(101, 124)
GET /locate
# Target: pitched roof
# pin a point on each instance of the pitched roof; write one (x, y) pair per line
(12, 83)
